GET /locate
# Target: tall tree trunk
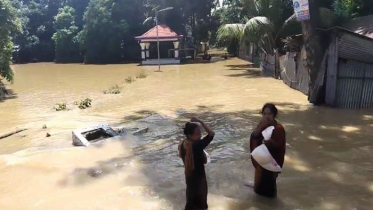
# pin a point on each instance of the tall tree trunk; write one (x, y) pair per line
(312, 43)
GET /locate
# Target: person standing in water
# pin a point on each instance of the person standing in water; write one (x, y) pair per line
(191, 150)
(265, 181)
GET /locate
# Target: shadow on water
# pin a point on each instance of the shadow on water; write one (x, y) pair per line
(8, 94)
(328, 163)
(247, 71)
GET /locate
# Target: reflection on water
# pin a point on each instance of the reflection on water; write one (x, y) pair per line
(328, 162)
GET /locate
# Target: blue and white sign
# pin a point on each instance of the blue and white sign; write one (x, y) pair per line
(301, 9)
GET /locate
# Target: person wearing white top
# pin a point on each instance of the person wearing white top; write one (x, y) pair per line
(267, 147)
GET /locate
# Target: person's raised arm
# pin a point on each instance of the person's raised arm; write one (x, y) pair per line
(202, 144)
(207, 128)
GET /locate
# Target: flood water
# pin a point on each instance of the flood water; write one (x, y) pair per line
(328, 161)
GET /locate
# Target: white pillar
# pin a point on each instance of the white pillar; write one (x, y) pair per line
(147, 45)
(176, 47)
(142, 50)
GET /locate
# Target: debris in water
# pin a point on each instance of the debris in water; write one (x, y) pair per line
(84, 137)
(12, 133)
(140, 131)
(120, 130)
(94, 173)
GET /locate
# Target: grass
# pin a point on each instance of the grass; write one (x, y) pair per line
(142, 75)
(113, 90)
(129, 80)
(85, 103)
(60, 107)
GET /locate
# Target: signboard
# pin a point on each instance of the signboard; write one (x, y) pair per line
(301, 9)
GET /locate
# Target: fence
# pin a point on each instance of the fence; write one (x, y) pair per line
(354, 85)
(294, 72)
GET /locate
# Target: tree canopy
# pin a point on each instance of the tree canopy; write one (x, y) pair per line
(99, 31)
(266, 22)
(9, 24)
(103, 31)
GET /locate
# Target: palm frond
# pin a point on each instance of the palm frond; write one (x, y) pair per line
(257, 27)
(229, 33)
(260, 30)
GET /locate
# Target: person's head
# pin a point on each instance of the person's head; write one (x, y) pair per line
(269, 111)
(192, 131)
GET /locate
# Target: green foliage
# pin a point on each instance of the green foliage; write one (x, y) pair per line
(267, 22)
(8, 25)
(230, 35)
(85, 103)
(103, 31)
(110, 28)
(260, 30)
(113, 90)
(66, 43)
(348, 9)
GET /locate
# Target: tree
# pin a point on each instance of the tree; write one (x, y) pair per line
(348, 9)
(66, 42)
(102, 36)
(195, 13)
(35, 42)
(267, 22)
(80, 6)
(264, 24)
(8, 25)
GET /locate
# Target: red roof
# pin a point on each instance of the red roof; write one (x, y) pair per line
(164, 32)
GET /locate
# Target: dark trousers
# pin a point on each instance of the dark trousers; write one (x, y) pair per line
(265, 182)
(196, 192)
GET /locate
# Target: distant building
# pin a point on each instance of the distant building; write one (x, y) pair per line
(165, 34)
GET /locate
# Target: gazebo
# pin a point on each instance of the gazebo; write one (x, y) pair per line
(165, 34)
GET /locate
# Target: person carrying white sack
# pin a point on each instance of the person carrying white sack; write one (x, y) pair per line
(267, 147)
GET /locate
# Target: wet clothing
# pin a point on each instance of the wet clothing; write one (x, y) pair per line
(265, 181)
(196, 191)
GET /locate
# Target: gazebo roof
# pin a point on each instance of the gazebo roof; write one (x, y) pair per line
(164, 32)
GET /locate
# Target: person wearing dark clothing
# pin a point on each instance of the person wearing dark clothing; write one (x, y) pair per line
(265, 181)
(191, 150)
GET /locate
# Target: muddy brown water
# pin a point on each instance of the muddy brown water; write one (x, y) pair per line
(328, 161)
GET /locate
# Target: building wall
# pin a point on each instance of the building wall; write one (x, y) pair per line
(349, 82)
(294, 72)
(354, 85)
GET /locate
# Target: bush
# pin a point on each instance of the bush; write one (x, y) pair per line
(142, 75)
(60, 107)
(85, 103)
(129, 80)
(113, 90)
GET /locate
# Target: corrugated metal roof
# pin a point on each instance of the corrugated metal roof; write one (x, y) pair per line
(361, 25)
